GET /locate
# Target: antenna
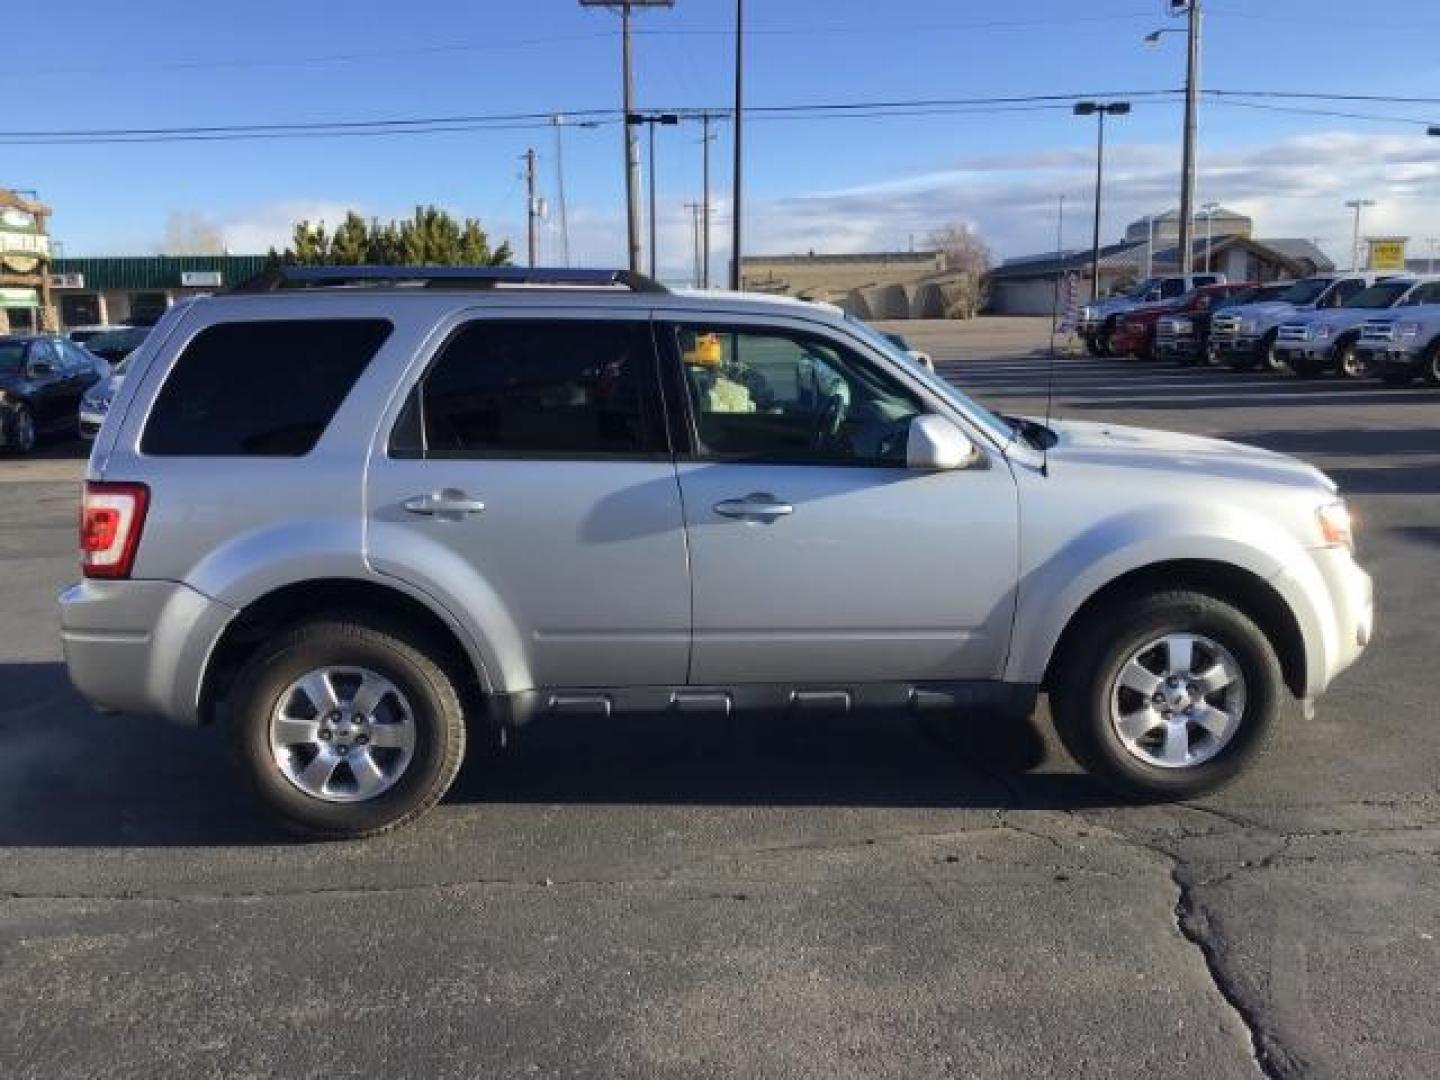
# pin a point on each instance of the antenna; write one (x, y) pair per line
(1060, 276)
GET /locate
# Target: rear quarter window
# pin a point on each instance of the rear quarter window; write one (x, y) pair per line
(260, 389)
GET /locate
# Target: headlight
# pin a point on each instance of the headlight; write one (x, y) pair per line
(1408, 331)
(1337, 529)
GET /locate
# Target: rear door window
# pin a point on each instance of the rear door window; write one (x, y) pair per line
(260, 389)
(568, 389)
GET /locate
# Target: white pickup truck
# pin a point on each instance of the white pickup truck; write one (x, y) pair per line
(1327, 340)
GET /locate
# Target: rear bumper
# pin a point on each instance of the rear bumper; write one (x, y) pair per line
(140, 646)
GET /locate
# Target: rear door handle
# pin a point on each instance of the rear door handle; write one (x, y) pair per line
(447, 504)
(757, 506)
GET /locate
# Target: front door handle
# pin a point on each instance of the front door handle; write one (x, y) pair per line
(757, 506)
(447, 504)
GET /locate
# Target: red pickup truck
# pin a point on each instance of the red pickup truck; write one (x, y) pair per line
(1135, 333)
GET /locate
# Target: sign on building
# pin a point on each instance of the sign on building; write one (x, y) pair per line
(200, 279)
(67, 281)
(1386, 252)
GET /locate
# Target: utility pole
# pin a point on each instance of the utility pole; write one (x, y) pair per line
(1187, 166)
(736, 215)
(1357, 205)
(695, 210)
(634, 120)
(705, 141)
(1100, 110)
(632, 145)
(532, 205)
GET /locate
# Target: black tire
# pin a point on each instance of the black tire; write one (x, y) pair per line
(21, 432)
(1306, 367)
(1267, 357)
(1349, 363)
(401, 658)
(1094, 655)
(1430, 366)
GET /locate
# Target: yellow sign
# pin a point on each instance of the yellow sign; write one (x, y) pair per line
(1387, 254)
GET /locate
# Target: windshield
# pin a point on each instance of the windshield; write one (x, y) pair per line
(1383, 295)
(116, 344)
(1305, 292)
(12, 357)
(973, 409)
(1140, 291)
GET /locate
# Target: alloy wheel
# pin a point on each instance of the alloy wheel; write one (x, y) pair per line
(342, 734)
(1177, 701)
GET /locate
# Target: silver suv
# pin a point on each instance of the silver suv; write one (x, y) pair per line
(344, 511)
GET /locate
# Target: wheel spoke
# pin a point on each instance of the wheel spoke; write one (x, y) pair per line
(1138, 724)
(316, 776)
(1180, 651)
(1135, 676)
(391, 736)
(294, 731)
(1176, 750)
(368, 695)
(1214, 678)
(1215, 721)
(368, 777)
(320, 691)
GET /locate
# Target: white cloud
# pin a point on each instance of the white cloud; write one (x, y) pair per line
(256, 229)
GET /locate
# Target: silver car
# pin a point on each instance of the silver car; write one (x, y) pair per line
(348, 510)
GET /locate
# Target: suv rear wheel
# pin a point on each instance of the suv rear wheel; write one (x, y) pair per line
(1430, 368)
(1166, 696)
(345, 729)
(1351, 363)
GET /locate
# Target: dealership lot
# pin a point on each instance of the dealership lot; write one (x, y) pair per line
(812, 897)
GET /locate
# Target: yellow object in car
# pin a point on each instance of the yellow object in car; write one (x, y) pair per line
(705, 351)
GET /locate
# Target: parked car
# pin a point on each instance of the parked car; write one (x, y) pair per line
(1136, 333)
(114, 345)
(1403, 346)
(1244, 337)
(95, 404)
(81, 334)
(1185, 338)
(42, 378)
(500, 504)
(1327, 340)
(920, 357)
(1098, 320)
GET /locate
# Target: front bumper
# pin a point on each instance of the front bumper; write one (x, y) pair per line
(1334, 600)
(1235, 346)
(1388, 356)
(140, 646)
(90, 421)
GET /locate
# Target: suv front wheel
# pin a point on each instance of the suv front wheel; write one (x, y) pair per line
(1166, 696)
(345, 729)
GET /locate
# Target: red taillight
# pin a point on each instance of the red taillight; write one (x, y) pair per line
(111, 517)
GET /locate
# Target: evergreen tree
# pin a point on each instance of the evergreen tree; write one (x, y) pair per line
(429, 237)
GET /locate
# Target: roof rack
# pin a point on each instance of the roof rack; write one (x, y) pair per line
(278, 278)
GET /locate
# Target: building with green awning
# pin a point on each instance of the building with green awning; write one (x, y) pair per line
(114, 289)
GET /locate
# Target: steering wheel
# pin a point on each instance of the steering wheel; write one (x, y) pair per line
(829, 420)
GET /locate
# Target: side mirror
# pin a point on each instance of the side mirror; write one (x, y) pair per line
(41, 368)
(936, 443)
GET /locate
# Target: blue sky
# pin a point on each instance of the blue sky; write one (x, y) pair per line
(811, 184)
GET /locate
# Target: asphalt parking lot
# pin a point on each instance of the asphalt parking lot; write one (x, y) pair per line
(770, 897)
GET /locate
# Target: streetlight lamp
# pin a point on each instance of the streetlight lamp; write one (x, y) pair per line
(633, 120)
(1101, 110)
(1357, 205)
(1209, 211)
(1190, 9)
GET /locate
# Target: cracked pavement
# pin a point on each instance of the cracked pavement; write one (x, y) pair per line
(768, 896)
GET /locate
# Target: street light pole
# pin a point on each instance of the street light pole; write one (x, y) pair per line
(1357, 205)
(1209, 211)
(1101, 110)
(1187, 166)
(735, 198)
(634, 120)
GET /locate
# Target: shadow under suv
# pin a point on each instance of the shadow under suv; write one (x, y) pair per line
(345, 509)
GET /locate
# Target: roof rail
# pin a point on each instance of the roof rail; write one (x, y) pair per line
(282, 277)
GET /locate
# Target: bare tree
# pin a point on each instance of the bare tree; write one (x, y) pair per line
(191, 233)
(963, 246)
